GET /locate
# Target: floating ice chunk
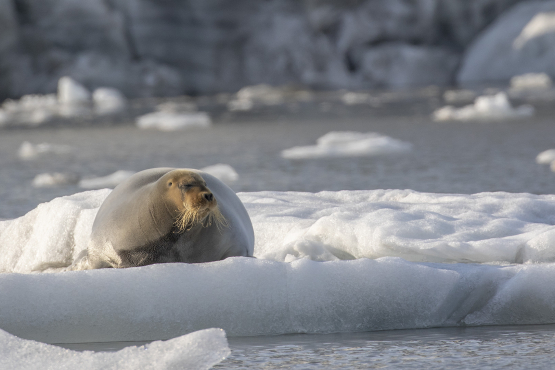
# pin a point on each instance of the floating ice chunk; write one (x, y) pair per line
(108, 100)
(174, 107)
(223, 172)
(546, 156)
(526, 81)
(198, 350)
(72, 92)
(456, 96)
(264, 93)
(44, 180)
(110, 181)
(169, 121)
(31, 110)
(240, 105)
(484, 108)
(353, 98)
(29, 151)
(344, 144)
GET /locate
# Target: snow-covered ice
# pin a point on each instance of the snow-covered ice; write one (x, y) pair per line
(109, 181)
(348, 143)
(171, 121)
(223, 172)
(199, 350)
(29, 151)
(487, 107)
(326, 262)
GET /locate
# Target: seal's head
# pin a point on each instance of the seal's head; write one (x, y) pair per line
(194, 203)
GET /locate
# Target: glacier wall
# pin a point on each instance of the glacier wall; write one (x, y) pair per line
(150, 48)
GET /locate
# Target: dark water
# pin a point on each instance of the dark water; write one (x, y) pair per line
(507, 347)
(451, 157)
(447, 157)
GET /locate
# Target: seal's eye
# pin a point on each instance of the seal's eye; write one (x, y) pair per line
(170, 183)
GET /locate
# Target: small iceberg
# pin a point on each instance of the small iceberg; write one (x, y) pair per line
(488, 107)
(47, 180)
(546, 157)
(223, 172)
(110, 181)
(349, 144)
(71, 100)
(172, 121)
(28, 151)
(108, 100)
(199, 350)
(531, 81)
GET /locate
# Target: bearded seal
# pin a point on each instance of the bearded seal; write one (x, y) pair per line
(165, 215)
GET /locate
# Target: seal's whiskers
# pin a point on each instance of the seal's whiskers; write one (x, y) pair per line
(190, 217)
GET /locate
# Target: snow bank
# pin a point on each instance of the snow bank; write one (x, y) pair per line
(199, 350)
(326, 262)
(171, 121)
(29, 151)
(348, 143)
(223, 172)
(492, 107)
(109, 181)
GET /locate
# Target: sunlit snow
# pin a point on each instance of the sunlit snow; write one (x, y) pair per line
(325, 262)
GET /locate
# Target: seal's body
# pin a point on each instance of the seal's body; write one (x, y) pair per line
(168, 215)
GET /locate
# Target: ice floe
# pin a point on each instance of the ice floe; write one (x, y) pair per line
(44, 180)
(348, 143)
(29, 151)
(72, 100)
(223, 172)
(199, 350)
(108, 100)
(528, 81)
(109, 181)
(487, 107)
(546, 157)
(325, 262)
(171, 121)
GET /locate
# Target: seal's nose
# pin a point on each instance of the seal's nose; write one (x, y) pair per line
(208, 196)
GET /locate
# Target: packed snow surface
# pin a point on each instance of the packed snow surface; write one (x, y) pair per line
(348, 143)
(487, 107)
(325, 262)
(199, 350)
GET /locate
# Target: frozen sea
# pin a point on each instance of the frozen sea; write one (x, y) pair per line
(450, 243)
